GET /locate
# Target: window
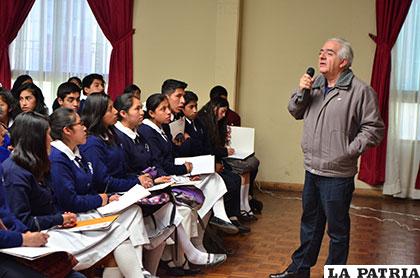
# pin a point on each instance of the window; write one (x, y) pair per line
(405, 83)
(59, 39)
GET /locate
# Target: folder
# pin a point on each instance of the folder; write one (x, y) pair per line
(177, 128)
(94, 224)
(242, 140)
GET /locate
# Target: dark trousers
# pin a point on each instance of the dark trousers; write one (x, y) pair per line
(232, 198)
(324, 200)
(9, 268)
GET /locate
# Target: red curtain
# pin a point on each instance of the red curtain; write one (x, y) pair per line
(418, 179)
(116, 21)
(390, 16)
(12, 16)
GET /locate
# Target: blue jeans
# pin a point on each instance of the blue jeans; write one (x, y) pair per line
(324, 200)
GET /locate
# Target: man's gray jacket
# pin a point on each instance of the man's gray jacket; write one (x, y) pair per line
(338, 127)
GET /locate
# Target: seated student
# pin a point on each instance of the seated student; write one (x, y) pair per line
(76, 80)
(91, 84)
(199, 144)
(29, 192)
(212, 116)
(102, 150)
(14, 233)
(250, 164)
(158, 113)
(132, 89)
(31, 99)
(8, 111)
(71, 180)
(232, 118)
(68, 95)
(20, 80)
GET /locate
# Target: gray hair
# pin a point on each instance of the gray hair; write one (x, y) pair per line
(345, 52)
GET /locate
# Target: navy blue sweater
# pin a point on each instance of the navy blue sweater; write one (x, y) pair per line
(12, 237)
(108, 161)
(161, 150)
(137, 153)
(72, 185)
(32, 202)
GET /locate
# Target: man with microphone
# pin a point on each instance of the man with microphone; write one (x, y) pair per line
(341, 119)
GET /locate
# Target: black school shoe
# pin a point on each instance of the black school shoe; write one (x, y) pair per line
(242, 228)
(256, 205)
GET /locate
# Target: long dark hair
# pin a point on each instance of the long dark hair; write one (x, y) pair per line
(152, 103)
(124, 103)
(37, 93)
(28, 137)
(8, 98)
(24, 78)
(94, 110)
(61, 118)
(207, 115)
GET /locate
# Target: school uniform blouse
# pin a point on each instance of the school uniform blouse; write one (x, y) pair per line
(136, 150)
(71, 180)
(108, 162)
(161, 146)
(32, 202)
(12, 237)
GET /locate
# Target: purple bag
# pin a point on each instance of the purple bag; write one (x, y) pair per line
(188, 195)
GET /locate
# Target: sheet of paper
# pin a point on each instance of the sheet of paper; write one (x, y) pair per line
(133, 195)
(183, 180)
(203, 164)
(242, 140)
(177, 127)
(160, 186)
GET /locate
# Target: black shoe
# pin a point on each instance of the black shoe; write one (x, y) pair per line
(224, 226)
(256, 205)
(247, 216)
(178, 270)
(242, 229)
(288, 274)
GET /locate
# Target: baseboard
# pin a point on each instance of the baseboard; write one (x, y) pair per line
(298, 187)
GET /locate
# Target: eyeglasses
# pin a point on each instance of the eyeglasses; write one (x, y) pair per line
(82, 123)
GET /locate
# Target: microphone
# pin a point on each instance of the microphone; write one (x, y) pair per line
(310, 71)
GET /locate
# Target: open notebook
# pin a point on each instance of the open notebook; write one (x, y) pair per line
(242, 140)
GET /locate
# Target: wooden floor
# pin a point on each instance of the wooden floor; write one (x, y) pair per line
(275, 235)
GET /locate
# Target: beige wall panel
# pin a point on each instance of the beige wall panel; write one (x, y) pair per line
(174, 39)
(191, 40)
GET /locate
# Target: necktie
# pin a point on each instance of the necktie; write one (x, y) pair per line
(81, 164)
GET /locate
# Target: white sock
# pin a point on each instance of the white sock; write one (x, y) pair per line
(128, 260)
(245, 198)
(112, 272)
(198, 241)
(219, 210)
(193, 254)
